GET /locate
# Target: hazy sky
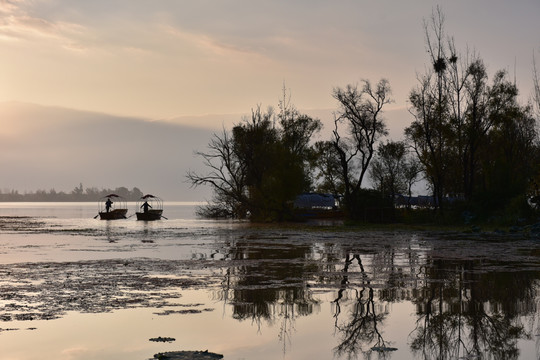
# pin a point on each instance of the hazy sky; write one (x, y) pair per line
(168, 58)
(101, 69)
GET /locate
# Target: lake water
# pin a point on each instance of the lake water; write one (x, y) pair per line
(73, 287)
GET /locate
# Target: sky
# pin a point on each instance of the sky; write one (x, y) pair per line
(203, 63)
(171, 58)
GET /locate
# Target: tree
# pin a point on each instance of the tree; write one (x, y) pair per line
(429, 132)
(388, 167)
(427, 136)
(360, 112)
(78, 190)
(536, 85)
(259, 167)
(509, 158)
(328, 174)
(226, 176)
(411, 172)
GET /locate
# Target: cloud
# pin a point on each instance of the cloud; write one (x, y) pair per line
(17, 24)
(9, 6)
(214, 45)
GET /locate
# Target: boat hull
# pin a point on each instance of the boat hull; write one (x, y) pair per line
(149, 215)
(115, 214)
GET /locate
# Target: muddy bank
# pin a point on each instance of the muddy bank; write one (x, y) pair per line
(46, 291)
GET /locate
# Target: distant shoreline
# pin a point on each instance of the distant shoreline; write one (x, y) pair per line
(187, 202)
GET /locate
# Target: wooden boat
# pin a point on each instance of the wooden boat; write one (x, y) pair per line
(112, 207)
(149, 208)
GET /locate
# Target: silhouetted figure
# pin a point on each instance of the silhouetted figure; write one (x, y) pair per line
(145, 206)
(108, 204)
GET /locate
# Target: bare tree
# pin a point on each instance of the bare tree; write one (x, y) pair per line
(434, 107)
(226, 176)
(536, 84)
(360, 112)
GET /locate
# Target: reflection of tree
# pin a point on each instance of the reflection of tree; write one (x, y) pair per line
(463, 307)
(464, 313)
(536, 321)
(362, 328)
(266, 284)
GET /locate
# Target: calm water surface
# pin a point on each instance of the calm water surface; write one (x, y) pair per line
(73, 287)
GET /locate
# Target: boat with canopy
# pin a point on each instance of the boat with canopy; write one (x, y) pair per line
(149, 207)
(112, 207)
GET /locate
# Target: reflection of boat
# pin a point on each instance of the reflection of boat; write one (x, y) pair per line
(112, 207)
(149, 207)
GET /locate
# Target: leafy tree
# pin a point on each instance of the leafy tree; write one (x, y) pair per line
(427, 135)
(459, 122)
(509, 158)
(360, 113)
(328, 173)
(259, 167)
(477, 123)
(411, 174)
(388, 168)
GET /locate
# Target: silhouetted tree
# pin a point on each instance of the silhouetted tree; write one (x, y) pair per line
(328, 173)
(536, 90)
(459, 121)
(259, 167)
(430, 107)
(387, 170)
(360, 112)
(509, 158)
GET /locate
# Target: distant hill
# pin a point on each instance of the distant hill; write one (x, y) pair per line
(55, 148)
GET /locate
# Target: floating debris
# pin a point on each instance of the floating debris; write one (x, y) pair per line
(9, 329)
(188, 311)
(188, 355)
(163, 339)
(383, 348)
(470, 357)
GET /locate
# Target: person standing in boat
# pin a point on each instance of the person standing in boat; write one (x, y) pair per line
(108, 204)
(145, 206)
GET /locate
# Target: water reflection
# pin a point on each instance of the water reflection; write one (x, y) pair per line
(358, 294)
(267, 285)
(362, 327)
(465, 309)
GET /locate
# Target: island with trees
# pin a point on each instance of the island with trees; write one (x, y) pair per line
(79, 193)
(471, 140)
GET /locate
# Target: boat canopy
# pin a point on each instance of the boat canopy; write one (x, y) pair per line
(116, 202)
(154, 202)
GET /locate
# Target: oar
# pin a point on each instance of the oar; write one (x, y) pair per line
(129, 216)
(164, 217)
(95, 217)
